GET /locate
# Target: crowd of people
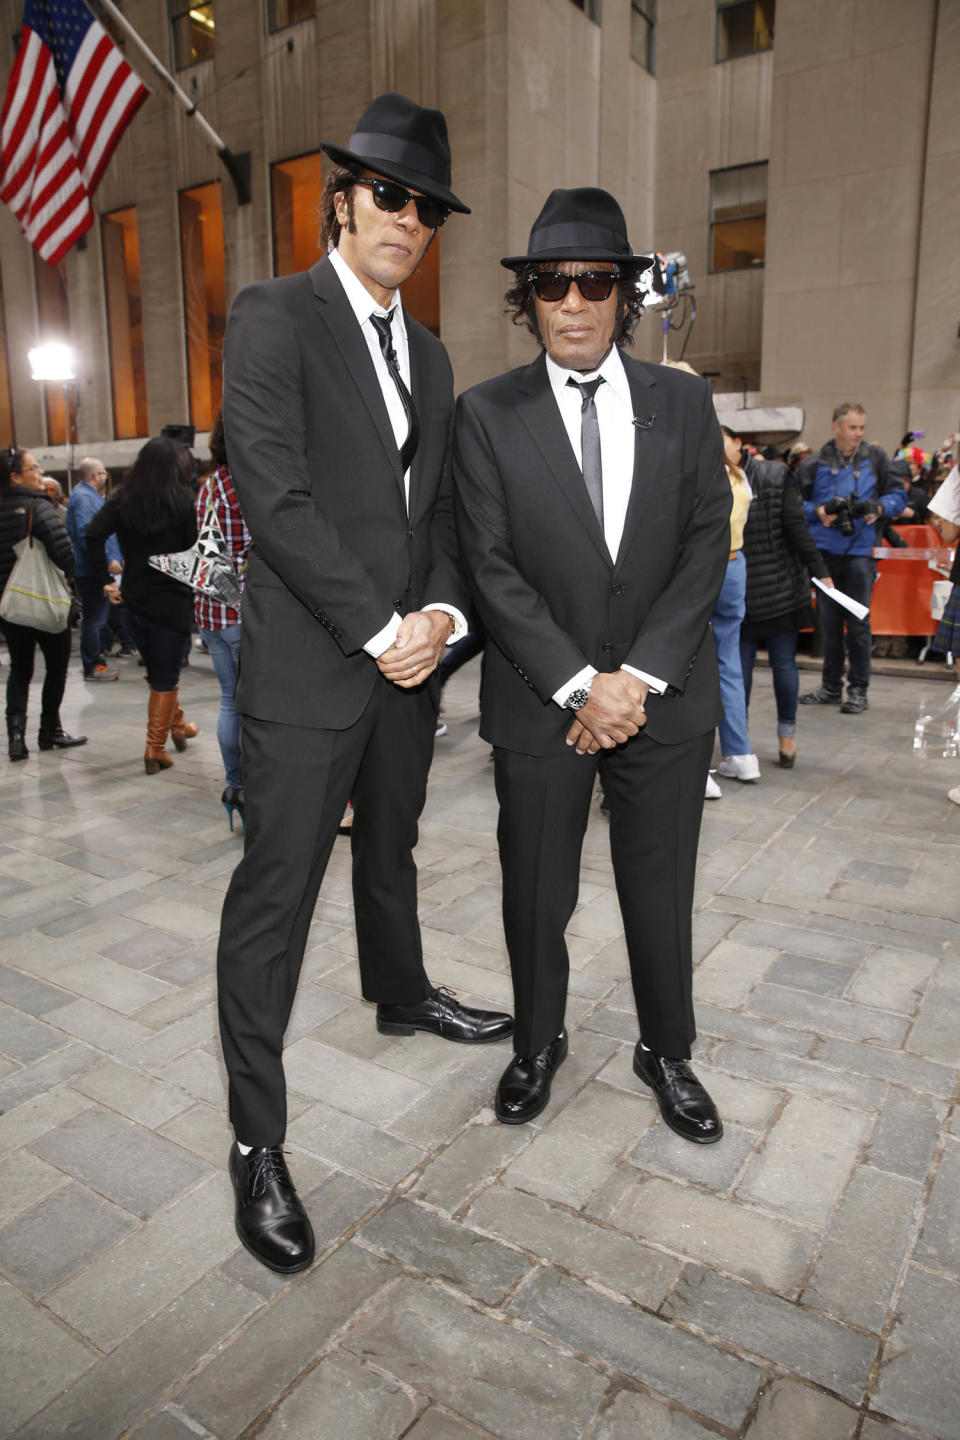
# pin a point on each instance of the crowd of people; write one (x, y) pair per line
(800, 517)
(585, 508)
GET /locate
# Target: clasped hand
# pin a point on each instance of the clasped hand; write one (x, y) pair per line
(416, 651)
(614, 712)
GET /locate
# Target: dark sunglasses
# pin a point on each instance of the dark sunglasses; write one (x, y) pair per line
(391, 197)
(592, 284)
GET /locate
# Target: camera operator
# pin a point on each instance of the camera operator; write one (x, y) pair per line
(846, 489)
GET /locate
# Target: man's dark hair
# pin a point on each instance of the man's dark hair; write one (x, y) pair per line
(730, 434)
(519, 304)
(14, 458)
(5, 470)
(338, 178)
(158, 490)
(218, 445)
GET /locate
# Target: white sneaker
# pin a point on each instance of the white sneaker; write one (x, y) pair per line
(954, 795)
(440, 730)
(713, 791)
(739, 767)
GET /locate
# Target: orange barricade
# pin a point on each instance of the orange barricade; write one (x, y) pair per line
(900, 604)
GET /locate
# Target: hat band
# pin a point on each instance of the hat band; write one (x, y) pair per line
(378, 146)
(577, 232)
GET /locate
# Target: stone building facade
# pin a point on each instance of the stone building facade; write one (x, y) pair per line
(803, 154)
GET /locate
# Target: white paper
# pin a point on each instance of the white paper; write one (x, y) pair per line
(847, 601)
(946, 502)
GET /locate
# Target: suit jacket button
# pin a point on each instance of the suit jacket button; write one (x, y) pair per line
(616, 589)
(397, 604)
(409, 534)
(607, 646)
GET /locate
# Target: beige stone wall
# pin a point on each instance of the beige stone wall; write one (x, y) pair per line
(847, 162)
(861, 290)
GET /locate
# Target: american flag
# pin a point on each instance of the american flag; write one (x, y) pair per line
(71, 96)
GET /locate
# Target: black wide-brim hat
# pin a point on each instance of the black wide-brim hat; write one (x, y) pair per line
(584, 224)
(402, 140)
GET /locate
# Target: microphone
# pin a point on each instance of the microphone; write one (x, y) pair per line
(642, 424)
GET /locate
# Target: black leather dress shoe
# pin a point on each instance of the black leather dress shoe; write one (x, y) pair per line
(442, 1014)
(684, 1103)
(271, 1222)
(524, 1088)
(58, 739)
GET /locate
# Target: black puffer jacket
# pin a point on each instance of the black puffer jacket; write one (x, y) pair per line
(777, 545)
(48, 528)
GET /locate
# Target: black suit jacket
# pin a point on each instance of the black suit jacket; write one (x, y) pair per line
(318, 476)
(549, 593)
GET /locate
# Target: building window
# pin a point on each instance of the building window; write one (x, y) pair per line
(53, 317)
(590, 8)
(744, 27)
(281, 13)
(643, 19)
(295, 187)
(7, 432)
(121, 282)
(204, 298)
(738, 217)
(192, 31)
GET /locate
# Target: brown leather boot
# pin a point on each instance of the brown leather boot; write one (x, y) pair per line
(160, 711)
(181, 729)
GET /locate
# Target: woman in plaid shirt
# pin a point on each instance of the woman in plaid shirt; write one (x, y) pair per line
(219, 625)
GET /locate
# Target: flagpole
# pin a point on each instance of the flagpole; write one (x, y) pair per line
(237, 165)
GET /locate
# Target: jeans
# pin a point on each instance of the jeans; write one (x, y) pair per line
(96, 607)
(22, 641)
(726, 621)
(854, 575)
(224, 648)
(162, 650)
(782, 652)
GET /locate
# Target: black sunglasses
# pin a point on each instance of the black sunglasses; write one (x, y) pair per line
(592, 284)
(391, 197)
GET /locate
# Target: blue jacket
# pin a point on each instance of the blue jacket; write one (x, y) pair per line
(84, 503)
(865, 475)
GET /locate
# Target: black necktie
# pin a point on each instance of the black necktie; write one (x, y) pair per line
(590, 442)
(381, 323)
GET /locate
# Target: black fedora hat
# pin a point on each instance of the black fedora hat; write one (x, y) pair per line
(402, 140)
(584, 224)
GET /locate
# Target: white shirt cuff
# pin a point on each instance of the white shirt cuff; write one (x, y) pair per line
(657, 686)
(578, 682)
(384, 638)
(457, 616)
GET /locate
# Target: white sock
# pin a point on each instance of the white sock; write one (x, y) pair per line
(642, 1047)
(244, 1149)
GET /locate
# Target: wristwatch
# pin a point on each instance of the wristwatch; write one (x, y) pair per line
(577, 698)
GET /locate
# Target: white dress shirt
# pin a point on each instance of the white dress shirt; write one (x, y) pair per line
(617, 444)
(363, 306)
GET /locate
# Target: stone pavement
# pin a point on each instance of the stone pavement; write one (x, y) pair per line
(589, 1275)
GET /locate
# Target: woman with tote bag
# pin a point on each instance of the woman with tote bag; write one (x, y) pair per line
(24, 507)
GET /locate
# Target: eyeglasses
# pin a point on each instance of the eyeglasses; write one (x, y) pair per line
(592, 284)
(391, 197)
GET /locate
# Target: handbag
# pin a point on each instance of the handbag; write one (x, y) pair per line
(36, 594)
(207, 566)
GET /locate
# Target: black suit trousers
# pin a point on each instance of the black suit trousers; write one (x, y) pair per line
(656, 801)
(297, 784)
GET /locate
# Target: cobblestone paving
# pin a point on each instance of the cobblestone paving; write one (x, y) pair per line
(590, 1275)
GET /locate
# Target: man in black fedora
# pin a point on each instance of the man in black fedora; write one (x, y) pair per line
(337, 413)
(593, 509)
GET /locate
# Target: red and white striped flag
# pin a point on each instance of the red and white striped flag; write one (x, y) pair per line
(71, 96)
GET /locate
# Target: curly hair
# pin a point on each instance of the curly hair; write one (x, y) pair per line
(338, 178)
(520, 304)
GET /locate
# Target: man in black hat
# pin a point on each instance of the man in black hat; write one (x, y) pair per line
(593, 509)
(337, 415)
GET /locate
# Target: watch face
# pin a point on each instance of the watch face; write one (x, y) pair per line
(577, 699)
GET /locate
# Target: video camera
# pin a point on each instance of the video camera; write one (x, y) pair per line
(847, 510)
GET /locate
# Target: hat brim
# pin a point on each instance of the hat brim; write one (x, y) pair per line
(392, 171)
(637, 263)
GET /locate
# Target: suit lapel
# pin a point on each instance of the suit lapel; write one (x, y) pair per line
(538, 410)
(649, 401)
(419, 362)
(335, 312)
